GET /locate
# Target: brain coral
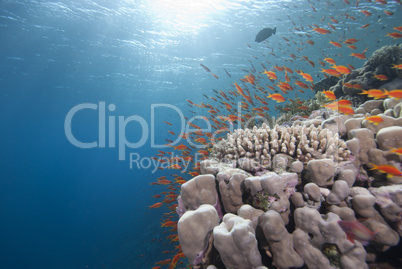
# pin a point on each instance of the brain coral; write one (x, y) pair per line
(300, 142)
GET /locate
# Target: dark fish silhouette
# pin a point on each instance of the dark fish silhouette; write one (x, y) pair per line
(264, 34)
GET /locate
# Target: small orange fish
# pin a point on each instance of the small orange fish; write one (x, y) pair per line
(388, 169)
(395, 35)
(342, 69)
(181, 147)
(322, 30)
(381, 77)
(374, 119)
(270, 74)
(359, 55)
(397, 94)
(344, 102)
(365, 12)
(336, 44)
(306, 76)
(350, 41)
(277, 97)
(346, 110)
(156, 205)
(375, 93)
(399, 28)
(330, 60)
(331, 72)
(329, 94)
(397, 151)
(397, 66)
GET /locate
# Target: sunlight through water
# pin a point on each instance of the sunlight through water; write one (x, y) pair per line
(180, 17)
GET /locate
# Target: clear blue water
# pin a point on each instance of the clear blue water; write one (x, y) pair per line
(66, 207)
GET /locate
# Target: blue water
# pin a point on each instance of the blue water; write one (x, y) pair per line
(66, 207)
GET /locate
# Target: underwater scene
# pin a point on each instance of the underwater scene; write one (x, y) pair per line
(200, 134)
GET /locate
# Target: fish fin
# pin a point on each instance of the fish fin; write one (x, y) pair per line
(274, 30)
(350, 238)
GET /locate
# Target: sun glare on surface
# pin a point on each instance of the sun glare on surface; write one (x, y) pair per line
(187, 15)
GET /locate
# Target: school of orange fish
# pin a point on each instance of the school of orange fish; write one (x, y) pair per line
(257, 93)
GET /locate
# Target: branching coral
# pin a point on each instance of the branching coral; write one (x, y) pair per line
(300, 142)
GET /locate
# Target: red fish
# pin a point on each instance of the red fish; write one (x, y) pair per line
(388, 169)
(322, 30)
(356, 231)
(156, 205)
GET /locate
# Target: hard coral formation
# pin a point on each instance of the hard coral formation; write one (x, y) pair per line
(262, 144)
(379, 63)
(300, 196)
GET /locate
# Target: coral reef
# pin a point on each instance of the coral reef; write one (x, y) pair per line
(379, 63)
(261, 144)
(321, 192)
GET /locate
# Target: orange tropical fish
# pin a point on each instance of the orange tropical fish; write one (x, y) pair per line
(164, 182)
(397, 151)
(331, 72)
(277, 97)
(330, 60)
(344, 103)
(355, 86)
(169, 223)
(322, 30)
(239, 89)
(353, 47)
(365, 26)
(375, 93)
(200, 140)
(388, 169)
(303, 107)
(397, 66)
(395, 35)
(168, 123)
(365, 12)
(389, 13)
(381, 77)
(301, 84)
(175, 166)
(342, 69)
(270, 74)
(306, 76)
(156, 205)
(172, 133)
(336, 44)
(346, 110)
(359, 55)
(329, 94)
(194, 174)
(374, 119)
(203, 152)
(181, 147)
(350, 41)
(399, 28)
(397, 94)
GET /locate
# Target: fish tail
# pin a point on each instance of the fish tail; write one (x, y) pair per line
(363, 92)
(274, 30)
(374, 166)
